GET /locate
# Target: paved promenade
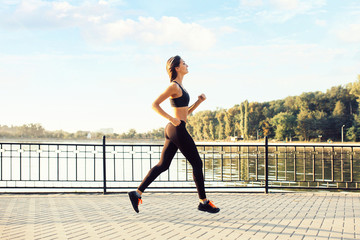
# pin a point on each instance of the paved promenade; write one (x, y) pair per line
(175, 216)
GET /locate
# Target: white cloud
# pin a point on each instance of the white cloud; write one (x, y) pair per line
(321, 23)
(251, 3)
(227, 30)
(165, 31)
(31, 6)
(296, 5)
(349, 34)
(62, 6)
(99, 21)
(111, 2)
(10, 2)
(283, 10)
(285, 5)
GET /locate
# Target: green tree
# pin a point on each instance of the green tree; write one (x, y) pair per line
(304, 122)
(309, 124)
(221, 124)
(206, 128)
(131, 133)
(354, 89)
(266, 128)
(246, 120)
(284, 124)
(339, 110)
(229, 119)
(353, 133)
(212, 130)
(255, 116)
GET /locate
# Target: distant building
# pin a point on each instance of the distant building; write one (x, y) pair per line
(234, 139)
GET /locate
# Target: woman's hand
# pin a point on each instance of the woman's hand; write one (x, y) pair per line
(201, 97)
(175, 121)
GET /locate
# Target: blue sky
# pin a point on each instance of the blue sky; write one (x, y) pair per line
(87, 65)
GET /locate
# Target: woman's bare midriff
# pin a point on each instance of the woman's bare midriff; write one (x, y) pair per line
(181, 113)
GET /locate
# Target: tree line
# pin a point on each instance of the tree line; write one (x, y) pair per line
(37, 131)
(312, 116)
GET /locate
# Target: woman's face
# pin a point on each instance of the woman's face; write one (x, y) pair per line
(183, 67)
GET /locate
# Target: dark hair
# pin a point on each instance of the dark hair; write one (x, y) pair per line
(171, 64)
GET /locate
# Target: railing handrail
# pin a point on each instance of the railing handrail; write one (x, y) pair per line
(227, 144)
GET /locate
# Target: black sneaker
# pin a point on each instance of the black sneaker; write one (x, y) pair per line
(135, 200)
(208, 207)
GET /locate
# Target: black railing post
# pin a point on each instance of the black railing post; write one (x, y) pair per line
(266, 166)
(104, 163)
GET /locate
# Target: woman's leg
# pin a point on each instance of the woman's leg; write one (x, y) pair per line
(167, 154)
(177, 138)
(187, 146)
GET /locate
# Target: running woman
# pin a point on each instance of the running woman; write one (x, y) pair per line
(176, 136)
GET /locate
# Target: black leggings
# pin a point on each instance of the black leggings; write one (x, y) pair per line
(177, 138)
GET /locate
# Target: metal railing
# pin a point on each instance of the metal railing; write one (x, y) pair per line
(105, 167)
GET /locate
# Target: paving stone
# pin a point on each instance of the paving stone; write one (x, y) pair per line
(298, 215)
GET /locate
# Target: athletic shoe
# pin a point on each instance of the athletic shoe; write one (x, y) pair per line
(208, 207)
(135, 200)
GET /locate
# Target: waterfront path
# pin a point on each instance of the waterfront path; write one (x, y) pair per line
(300, 215)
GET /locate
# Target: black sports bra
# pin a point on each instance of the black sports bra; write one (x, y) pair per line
(182, 101)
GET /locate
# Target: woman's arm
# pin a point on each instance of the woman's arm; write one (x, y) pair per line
(201, 98)
(170, 91)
